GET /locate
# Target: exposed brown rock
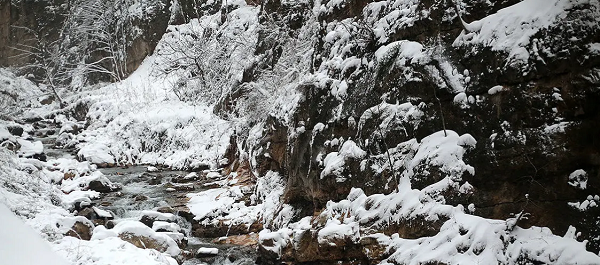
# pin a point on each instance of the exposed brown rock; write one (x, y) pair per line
(102, 186)
(240, 240)
(81, 230)
(222, 229)
(68, 175)
(143, 241)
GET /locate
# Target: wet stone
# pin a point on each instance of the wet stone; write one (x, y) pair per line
(100, 186)
(140, 198)
(165, 209)
(179, 187)
(155, 180)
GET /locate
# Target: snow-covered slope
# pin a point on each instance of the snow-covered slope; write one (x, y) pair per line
(388, 132)
(21, 245)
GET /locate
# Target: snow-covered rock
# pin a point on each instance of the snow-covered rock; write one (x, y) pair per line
(139, 235)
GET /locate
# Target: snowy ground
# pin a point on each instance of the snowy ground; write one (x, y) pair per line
(29, 192)
(143, 120)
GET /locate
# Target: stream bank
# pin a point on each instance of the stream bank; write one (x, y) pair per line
(137, 196)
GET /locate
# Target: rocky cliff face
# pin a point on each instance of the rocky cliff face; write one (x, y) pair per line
(384, 131)
(524, 84)
(515, 84)
(61, 36)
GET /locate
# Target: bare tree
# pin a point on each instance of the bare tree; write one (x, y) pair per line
(91, 41)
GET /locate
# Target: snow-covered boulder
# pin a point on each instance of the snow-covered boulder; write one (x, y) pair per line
(206, 252)
(149, 217)
(98, 154)
(139, 235)
(78, 227)
(96, 181)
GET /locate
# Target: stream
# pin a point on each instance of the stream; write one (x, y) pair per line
(150, 191)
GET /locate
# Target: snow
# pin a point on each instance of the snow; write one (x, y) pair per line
(141, 120)
(556, 128)
(495, 90)
(461, 100)
(399, 15)
(578, 179)
(391, 114)
(136, 228)
(334, 162)
(83, 181)
(79, 196)
(109, 251)
(462, 239)
(557, 96)
(23, 246)
(203, 203)
(4, 133)
(590, 202)
(102, 213)
(172, 227)
(594, 48)
(512, 28)
(221, 204)
(97, 153)
(29, 148)
(466, 140)
(17, 93)
(213, 175)
(208, 251)
(444, 149)
(403, 49)
(158, 216)
(334, 229)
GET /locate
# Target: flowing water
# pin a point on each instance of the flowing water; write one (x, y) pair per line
(142, 190)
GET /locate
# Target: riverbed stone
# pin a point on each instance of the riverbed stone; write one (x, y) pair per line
(16, 130)
(103, 186)
(239, 240)
(179, 187)
(81, 230)
(179, 238)
(140, 198)
(222, 229)
(155, 180)
(144, 242)
(191, 177)
(149, 217)
(184, 211)
(166, 209)
(88, 213)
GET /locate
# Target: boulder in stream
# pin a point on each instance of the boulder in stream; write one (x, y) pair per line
(204, 252)
(179, 238)
(100, 185)
(162, 226)
(149, 217)
(191, 177)
(139, 235)
(179, 187)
